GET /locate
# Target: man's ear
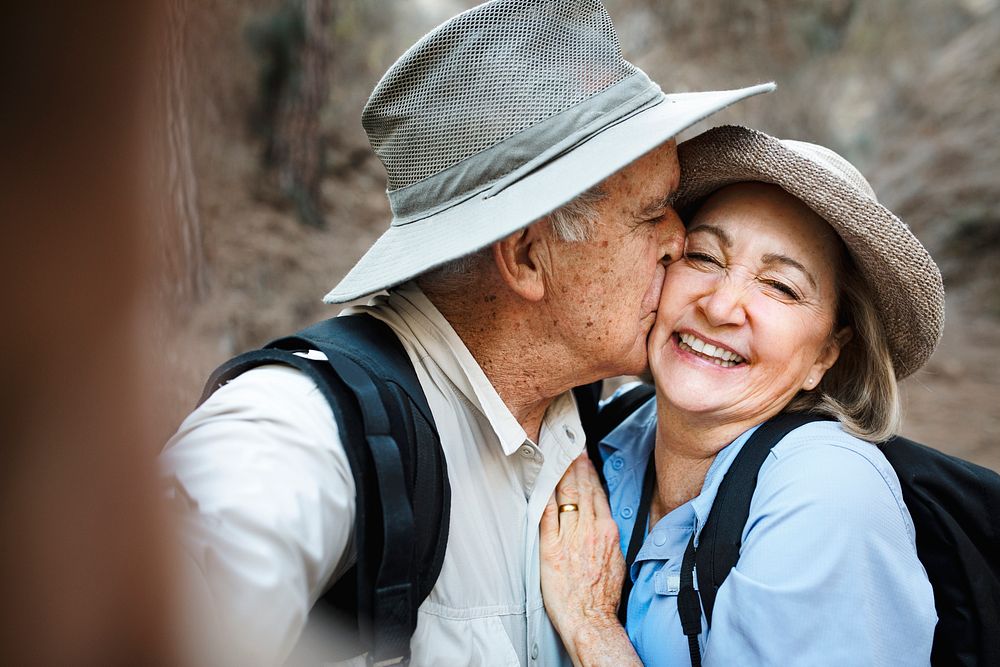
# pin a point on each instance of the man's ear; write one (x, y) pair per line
(518, 259)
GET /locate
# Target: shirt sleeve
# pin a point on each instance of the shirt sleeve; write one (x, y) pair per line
(265, 501)
(828, 572)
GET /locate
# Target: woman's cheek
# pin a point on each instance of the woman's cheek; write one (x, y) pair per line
(658, 348)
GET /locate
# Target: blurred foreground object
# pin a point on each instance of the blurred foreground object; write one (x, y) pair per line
(83, 560)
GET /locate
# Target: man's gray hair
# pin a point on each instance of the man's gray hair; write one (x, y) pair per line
(575, 221)
(571, 222)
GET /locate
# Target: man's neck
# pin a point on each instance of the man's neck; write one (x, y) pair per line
(520, 377)
(523, 364)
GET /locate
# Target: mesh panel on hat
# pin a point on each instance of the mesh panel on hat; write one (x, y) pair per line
(485, 75)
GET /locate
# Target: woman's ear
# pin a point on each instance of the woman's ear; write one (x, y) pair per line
(518, 258)
(828, 357)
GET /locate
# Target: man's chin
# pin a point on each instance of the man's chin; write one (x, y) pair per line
(637, 362)
(633, 360)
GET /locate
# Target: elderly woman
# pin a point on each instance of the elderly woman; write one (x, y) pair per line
(797, 292)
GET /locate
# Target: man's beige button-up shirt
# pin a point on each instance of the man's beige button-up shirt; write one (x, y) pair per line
(263, 467)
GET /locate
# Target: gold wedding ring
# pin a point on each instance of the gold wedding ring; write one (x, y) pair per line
(568, 507)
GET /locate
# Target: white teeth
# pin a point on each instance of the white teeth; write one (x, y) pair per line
(720, 356)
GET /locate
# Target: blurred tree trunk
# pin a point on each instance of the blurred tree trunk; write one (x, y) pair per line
(294, 47)
(300, 152)
(179, 235)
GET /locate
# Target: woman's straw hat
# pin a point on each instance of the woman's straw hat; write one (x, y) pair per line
(903, 278)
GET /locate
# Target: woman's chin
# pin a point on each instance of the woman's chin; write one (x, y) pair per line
(692, 401)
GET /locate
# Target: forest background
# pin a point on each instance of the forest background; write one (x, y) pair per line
(277, 193)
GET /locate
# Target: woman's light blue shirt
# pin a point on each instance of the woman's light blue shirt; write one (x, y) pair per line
(828, 571)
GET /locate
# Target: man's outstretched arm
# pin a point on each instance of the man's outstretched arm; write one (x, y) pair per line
(265, 502)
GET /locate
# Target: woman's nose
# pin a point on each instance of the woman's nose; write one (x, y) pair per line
(723, 304)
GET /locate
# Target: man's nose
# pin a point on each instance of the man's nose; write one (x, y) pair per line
(672, 236)
(723, 304)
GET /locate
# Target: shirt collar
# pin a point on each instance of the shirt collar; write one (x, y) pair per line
(434, 338)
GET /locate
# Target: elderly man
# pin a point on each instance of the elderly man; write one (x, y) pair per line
(531, 171)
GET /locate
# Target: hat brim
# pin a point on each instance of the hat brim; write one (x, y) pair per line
(408, 250)
(903, 278)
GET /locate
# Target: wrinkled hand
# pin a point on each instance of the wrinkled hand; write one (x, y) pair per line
(582, 565)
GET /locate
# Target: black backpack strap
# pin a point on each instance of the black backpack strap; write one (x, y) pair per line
(393, 602)
(588, 398)
(721, 538)
(403, 496)
(719, 543)
(638, 535)
(598, 423)
(688, 605)
(617, 410)
(369, 342)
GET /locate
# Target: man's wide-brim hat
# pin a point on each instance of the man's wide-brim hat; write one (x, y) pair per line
(500, 116)
(900, 273)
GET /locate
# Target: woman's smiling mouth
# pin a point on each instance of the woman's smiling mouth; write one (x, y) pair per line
(718, 355)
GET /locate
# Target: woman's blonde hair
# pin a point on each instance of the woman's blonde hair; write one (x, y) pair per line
(860, 390)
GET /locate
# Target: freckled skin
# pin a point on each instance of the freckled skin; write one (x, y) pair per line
(568, 313)
(616, 276)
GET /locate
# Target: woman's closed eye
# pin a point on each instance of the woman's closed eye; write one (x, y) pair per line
(703, 258)
(781, 287)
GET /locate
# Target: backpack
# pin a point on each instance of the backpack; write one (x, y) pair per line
(954, 504)
(399, 469)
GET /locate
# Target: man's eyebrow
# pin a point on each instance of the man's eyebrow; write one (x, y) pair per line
(718, 232)
(774, 258)
(658, 205)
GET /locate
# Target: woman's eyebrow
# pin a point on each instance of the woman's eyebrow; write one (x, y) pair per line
(774, 258)
(718, 232)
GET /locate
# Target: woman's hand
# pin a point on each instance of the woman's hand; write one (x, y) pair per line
(582, 569)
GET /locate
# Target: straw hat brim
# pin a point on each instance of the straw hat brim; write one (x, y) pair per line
(408, 250)
(903, 278)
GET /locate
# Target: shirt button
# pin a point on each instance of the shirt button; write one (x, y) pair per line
(617, 463)
(659, 538)
(534, 651)
(527, 452)
(569, 433)
(626, 512)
